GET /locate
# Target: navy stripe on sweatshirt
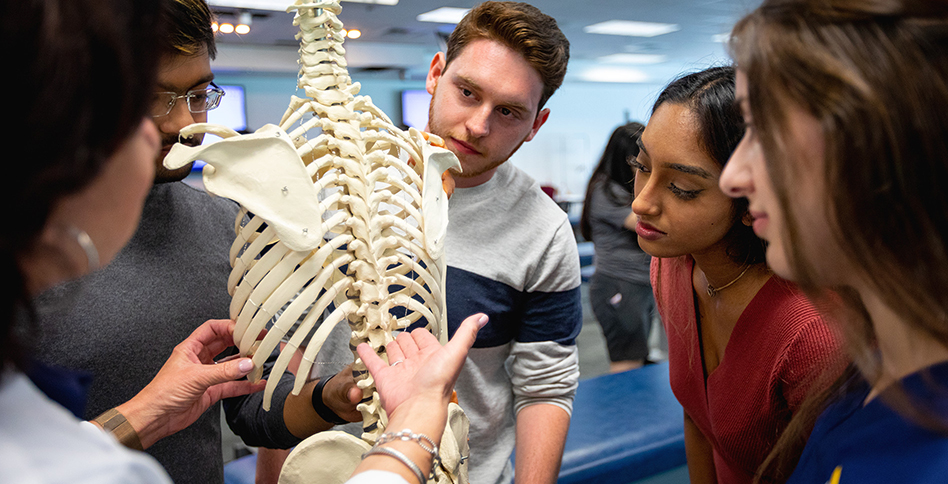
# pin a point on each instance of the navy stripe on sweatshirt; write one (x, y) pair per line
(552, 316)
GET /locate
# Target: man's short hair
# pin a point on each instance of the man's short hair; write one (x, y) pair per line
(523, 28)
(188, 24)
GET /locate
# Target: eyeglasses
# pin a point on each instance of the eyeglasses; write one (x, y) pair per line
(199, 100)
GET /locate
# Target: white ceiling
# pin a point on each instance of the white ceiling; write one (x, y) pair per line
(394, 44)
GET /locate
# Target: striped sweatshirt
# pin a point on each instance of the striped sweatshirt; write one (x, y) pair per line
(511, 254)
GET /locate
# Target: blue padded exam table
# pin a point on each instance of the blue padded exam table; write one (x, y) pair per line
(626, 427)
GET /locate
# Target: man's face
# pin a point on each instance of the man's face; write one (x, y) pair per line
(484, 105)
(180, 74)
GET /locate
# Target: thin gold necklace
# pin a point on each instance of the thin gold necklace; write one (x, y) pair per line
(713, 291)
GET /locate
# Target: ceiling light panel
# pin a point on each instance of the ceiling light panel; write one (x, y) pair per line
(633, 59)
(279, 5)
(443, 15)
(613, 74)
(631, 28)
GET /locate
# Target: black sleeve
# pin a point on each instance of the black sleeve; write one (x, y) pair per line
(256, 426)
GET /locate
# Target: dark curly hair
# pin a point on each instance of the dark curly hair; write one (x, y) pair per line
(83, 76)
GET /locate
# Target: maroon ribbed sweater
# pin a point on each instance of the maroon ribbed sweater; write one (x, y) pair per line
(778, 342)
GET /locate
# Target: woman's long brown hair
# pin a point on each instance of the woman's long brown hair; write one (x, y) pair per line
(874, 73)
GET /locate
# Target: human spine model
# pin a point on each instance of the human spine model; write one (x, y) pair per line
(351, 221)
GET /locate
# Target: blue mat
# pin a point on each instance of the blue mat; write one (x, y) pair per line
(625, 427)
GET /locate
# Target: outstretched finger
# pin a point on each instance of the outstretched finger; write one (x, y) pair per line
(228, 370)
(371, 360)
(466, 334)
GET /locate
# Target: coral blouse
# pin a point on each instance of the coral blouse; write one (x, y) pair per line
(779, 343)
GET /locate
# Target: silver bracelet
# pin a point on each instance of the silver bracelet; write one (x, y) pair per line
(423, 441)
(401, 457)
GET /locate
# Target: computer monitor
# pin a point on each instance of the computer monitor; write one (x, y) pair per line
(232, 112)
(415, 108)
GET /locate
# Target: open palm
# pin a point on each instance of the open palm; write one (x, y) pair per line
(418, 365)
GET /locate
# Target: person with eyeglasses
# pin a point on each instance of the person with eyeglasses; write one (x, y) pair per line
(198, 101)
(120, 323)
(198, 96)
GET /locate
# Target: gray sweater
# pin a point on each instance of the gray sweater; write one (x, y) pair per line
(511, 254)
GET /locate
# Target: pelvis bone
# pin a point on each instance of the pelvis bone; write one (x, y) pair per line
(343, 219)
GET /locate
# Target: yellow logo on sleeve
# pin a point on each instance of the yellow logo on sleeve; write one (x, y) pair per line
(836, 475)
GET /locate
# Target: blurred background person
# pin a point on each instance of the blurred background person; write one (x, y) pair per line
(619, 291)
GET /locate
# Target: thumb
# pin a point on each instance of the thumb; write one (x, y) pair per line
(466, 334)
(230, 371)
(354, 394)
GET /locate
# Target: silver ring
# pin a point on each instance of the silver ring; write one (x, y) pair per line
(397, 362)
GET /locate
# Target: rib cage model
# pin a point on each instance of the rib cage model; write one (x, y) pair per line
(349, 222)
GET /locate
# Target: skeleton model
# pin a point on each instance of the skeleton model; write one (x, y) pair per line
(347, 225)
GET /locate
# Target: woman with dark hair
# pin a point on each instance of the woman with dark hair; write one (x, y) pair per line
(844, 163)
(744, 346)
(79, 97)
(619, 290)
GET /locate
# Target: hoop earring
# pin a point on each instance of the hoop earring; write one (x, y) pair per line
(84, 241)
